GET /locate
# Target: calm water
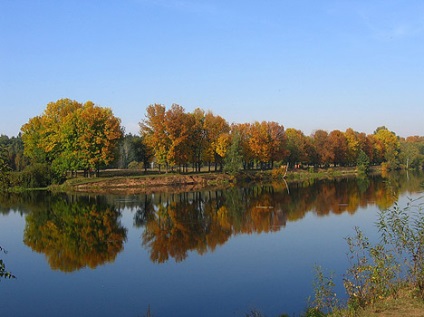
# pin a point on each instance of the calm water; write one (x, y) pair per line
(215, 253)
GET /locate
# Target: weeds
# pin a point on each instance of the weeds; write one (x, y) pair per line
(403, 230)
(325, 299)
(377, 271)
(372, 272)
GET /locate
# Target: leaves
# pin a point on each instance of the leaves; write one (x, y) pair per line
(72, 136)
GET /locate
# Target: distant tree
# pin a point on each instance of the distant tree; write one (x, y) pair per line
(178, 125)
(198, 138)
(353, 146)
(339, 146)
(363, 162)
(214, 126)
(133, 149)
(4, 169)
(297, 146)
(15, 152)
(243, 131)
(322, 146)
(387, 145)
(154, 133)
(267, 142)
(409, 153)
(233, 160)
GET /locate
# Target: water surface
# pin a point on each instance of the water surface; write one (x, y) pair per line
(214, 253)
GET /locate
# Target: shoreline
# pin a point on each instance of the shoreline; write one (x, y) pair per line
(174, 182)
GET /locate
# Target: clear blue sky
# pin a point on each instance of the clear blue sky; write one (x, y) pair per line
(305, 64)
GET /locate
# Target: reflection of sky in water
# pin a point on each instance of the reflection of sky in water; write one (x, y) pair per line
(271, 272)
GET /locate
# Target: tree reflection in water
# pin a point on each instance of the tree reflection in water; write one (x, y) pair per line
(175, 224)
(75, 233)
(85, 231)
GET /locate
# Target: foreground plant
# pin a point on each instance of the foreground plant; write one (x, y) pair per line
(325, 299)
(403, 230)
(372, 273)
(3, 272)
(378, 271)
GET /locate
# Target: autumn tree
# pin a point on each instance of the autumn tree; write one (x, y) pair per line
(297, 147)
(198, 136)
(339, 146)
(71, 136)
(214, 126)
(178, 126)
(98, 133)
(322, 146)
(267, 142)
(387, 144)
(353, 146)
(153, 130)
(44, 136)
(366, 145)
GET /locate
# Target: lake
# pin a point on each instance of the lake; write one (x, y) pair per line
(211, 253)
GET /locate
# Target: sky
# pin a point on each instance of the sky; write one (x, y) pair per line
(306, 64)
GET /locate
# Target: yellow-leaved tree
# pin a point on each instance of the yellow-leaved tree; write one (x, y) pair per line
(71, 136)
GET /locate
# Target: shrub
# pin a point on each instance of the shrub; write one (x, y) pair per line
(37, 175)
(134, 165)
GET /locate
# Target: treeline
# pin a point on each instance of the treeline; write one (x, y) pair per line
(178, 138)
(70, 136)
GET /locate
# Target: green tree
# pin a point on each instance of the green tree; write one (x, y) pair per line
(4, 170)
(132, 148)
(363, 162)
(296, 146)
(243, 130)
(409, 153)
(233, 160)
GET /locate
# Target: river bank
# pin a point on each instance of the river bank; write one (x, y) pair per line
(116, 181)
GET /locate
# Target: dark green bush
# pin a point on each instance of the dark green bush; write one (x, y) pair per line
(37, 175)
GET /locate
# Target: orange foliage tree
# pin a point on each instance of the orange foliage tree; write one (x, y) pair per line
(267, 142)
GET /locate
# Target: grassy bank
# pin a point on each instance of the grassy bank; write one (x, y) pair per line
(132, 181)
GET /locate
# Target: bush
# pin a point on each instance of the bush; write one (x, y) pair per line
(378, 271)
(37, 175)
(134, 165)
